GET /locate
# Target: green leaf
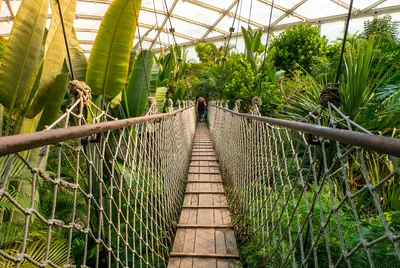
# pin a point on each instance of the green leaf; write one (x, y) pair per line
(256, 42)
(78, 58)
(161, 97)
(137, 91)
(154, 81)
(109, 60)
(21, 55)
(54, 53)
(52, 108)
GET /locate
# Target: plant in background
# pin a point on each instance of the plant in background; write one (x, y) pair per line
(298, 46)
(254, 47)
(384, 30)
(108, 65)
(208, 53)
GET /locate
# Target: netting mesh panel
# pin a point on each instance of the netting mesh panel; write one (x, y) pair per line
(106, 201)
(301, 201)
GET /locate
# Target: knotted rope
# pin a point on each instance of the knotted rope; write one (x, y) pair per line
(330, 93)
(237, 106)
(80, 90)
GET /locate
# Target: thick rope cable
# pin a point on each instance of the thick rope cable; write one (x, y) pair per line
(331, 93)
(238, 24)
(66, 41)
(266, 46)
(231, 30)
(346, 29)
(158, 26)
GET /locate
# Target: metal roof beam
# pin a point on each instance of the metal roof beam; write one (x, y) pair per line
(318, 21)
(90, 42)
(183, 19)
(374, 5)
(167, 17)
(345, 6)
(181, 35)
(285, 10)
(12, 13)
(220, 10)
(290, 12)
(224, 13)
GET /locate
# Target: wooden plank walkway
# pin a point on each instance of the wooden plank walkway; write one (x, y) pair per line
(204, 237)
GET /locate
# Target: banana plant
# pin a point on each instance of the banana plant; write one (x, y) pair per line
(108, 65)
(137, 91)
(20, 63)
(253, 44)
(29, 71)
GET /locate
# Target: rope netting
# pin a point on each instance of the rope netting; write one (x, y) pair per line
(304, 201)
(108, 200)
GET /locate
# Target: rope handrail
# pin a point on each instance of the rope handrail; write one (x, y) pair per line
(22, 142)
(70, 196)
(373, 142)
(306, 202)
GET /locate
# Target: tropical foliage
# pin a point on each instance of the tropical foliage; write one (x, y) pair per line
(298, 46)
(288, 77)
(32, 73)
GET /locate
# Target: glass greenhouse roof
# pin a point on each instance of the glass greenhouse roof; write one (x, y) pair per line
(202, 20)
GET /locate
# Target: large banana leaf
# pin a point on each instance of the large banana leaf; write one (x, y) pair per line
(109, 60)
(246, 38)
(54, 53)
(21, 56)
(154, 80)
(161, 97)
(52, 108)
(78, 58)
(255, 46)
(137, 91)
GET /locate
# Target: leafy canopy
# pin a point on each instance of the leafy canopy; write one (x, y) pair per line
(383, 29)
(298, 45)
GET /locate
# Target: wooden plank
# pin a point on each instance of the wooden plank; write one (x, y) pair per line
(202, 263)
(206, 200)
(201, 255)
(192, 181)
(179, 240)
(188, 216)
(220, 246)
(222, 217)
(211, 192)
(219, 200)
(225, 263)
(230, 241)
(186, 263)
(205, 217)
(174, 263)
(189, 244)
(191, 200)
(216, 207)
(203, 158)
(205, 242)
(214, 226)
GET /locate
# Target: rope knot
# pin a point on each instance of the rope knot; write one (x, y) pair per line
(170, 105)
(256, 101)
(151, 101)
(80, 90)
(237, 106)
(330, 93)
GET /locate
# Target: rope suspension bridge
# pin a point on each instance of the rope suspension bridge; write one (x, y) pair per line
(92, 190)
(150, 191)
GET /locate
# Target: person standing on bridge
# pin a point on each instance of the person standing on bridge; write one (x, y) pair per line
(201, 108)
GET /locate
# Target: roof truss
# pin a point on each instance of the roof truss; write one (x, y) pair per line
(168, 13)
